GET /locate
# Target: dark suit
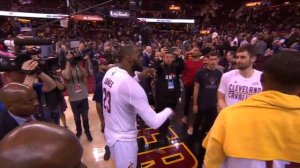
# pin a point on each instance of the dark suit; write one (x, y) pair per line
(146, 60)
(7, 123)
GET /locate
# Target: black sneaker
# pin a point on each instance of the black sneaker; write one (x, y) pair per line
(163, 140)
(89, 136)
(78, 134)
(107, 153)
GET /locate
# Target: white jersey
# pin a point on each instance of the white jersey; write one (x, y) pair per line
(251, 163)
(237, 88)
(123, 99)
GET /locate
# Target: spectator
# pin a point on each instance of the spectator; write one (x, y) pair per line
(204, 101)
(260, 46)
(147, 56)
(167, 88)
(76, 81)
(231, 62)
(190, 68)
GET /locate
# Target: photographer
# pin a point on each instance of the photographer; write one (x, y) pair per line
(76, 79)
(28, 69)
(53, 100)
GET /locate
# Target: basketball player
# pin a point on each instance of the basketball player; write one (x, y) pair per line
(123, 99)
(237, 85)
(262, 131)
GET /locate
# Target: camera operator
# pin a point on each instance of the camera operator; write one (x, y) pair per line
(41, 83)
(53, 99)
(23, 69)
(76, 80)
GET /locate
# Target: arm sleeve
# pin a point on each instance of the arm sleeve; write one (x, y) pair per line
(214, 156)
(223, 84)
(157, 67)
(138, 100)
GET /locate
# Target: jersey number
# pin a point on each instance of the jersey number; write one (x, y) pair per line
(107, 100)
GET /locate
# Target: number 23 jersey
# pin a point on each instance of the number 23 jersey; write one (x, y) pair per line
(123, 99)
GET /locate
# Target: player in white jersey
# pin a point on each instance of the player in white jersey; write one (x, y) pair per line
(239, 84)
(123, 99)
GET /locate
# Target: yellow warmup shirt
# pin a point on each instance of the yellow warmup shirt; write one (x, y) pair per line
(266, 126)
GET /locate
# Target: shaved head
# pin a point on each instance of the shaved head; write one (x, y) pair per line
(19, 99)
(148, 48)
(40, 145)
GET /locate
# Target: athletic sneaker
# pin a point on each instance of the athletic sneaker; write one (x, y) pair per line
(78, 134)
(89, 136)
(107, 153)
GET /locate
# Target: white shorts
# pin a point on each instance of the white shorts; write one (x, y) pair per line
(125, 154)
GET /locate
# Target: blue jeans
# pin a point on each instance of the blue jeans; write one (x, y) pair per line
(52, 114)
(81, 108)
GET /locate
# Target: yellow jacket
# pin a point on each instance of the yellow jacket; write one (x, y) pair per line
(266, 126)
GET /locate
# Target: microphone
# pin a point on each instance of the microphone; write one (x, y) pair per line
(22, 42)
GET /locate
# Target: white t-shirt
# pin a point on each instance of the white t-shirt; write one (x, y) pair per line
(252, 163)
(123, 99)
(237, 88)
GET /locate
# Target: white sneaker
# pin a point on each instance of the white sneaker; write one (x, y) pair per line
(184, 120)
(190, 131)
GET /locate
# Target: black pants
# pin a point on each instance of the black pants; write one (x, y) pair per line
(204, 120)
(81, 108)
(164, 128)
(188, 96)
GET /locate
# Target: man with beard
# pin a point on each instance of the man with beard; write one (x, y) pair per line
(239, 84)
(190, 68)
(76, 83)
(123, 99)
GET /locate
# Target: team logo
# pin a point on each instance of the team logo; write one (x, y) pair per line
(212, 80)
